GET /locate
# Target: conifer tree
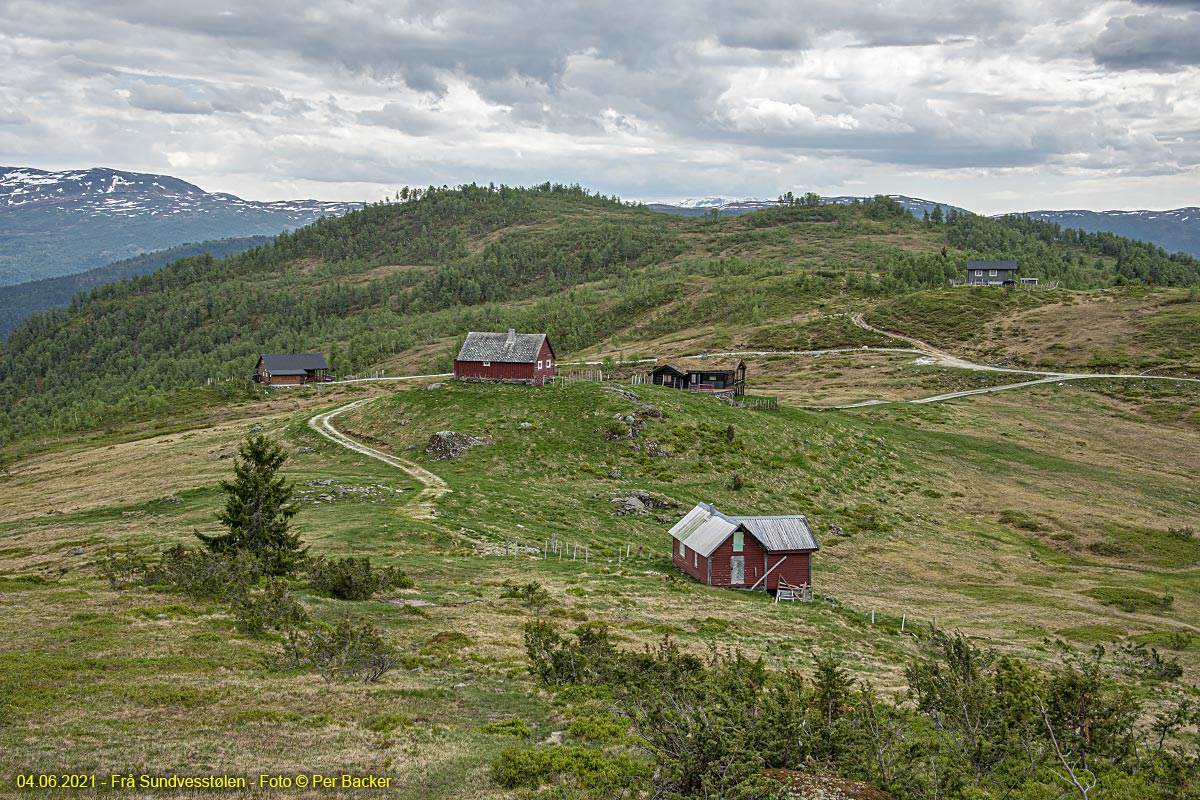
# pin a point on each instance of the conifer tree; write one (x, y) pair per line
(258, 509)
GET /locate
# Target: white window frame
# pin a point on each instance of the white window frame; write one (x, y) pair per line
(682, 549)
(487, 363)
(539, 366)
(695, 559)
(978, 273)
(991, 273)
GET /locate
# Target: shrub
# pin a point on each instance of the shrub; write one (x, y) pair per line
(1130, 600)
(532, 594)
(589, 772)
(353, 578)
(343, 653)
(510, 727)
(224, 576)
(271, 608)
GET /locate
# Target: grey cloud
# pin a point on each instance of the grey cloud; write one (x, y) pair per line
(405, 118)
(167, 99)
(13, 118)
(1149, 41)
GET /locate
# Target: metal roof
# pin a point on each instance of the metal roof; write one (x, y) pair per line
(509, 348)
(704, 529)
(292, 363)
(781, 533)
(1008, 265)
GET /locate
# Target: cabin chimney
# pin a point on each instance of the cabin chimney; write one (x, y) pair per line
(512, 337)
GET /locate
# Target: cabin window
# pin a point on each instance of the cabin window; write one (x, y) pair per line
(738, 542)
(487, 363)
(978, 273)
(695, 559)
(539, 365)
(991, 273)
(682, 550)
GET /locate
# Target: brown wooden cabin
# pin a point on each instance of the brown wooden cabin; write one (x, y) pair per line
(743, 552)
(506, 357)
(291, 369)
(702, 375)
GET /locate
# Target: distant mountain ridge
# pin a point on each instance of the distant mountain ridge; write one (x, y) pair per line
(61, 223)
(1177, 230)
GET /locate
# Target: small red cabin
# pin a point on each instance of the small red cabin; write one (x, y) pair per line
(505, 357)
(291, 369)
(743, 552)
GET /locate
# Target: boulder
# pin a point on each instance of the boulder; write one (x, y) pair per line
(445, 445)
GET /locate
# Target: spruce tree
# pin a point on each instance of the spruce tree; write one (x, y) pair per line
(258, 509)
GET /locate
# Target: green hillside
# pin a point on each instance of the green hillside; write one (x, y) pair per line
(396, 285)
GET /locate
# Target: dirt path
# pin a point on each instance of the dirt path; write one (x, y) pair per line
(422, 506)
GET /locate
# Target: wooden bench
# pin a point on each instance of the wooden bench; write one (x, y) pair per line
(790, 591)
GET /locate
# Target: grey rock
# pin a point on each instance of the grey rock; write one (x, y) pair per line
(306, 450)
(75, 551)
(445, 445)
(432, 386)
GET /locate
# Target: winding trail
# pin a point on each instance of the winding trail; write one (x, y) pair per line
(943, 359)
(422, 506)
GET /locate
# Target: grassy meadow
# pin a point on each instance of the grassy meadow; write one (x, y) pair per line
(1034, 520)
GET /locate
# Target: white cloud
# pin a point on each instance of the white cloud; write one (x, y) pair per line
(971, 103)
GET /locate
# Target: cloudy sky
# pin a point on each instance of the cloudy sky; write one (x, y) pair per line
(995, 105)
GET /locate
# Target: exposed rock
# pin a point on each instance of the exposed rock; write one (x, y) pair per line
(526, 425)
(435, 386)
(555, 737)
(445, 445)
(168, 500)
(836, 530)
(460, 686)
(75, 551)
(304, 450)
(637, 501)
(256, 429)
(615, 473)
(822, 786)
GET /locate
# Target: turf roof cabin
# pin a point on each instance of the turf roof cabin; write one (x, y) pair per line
(743, 552)
(291, 369)
(991, 273)
(505, 357)
(717, 375)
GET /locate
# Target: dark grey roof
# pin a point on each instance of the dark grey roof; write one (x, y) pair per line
(293, 363)
(511, 347)
(1009, 265)
(703, 529)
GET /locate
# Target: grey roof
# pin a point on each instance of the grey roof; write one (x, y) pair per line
(1009, 265)
(703, 529)
(781, 533)
(685, 365)
(511, 347)
(293, 363)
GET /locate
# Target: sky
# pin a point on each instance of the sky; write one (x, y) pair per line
(992, 105)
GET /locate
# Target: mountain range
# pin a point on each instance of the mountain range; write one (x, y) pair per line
(1177, 230)
(61, 223)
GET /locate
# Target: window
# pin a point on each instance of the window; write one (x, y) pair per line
(487, 363)
(978, 273)
(695, 559)
(539, 365)
(991, 273)
(682, 550)
(738, 542)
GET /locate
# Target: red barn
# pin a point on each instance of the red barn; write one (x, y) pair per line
(743, 552)
(506, 357)
(291, 369)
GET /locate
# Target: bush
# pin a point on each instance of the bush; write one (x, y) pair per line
(224, 576)
(272, 608)
(589, 772)
(343, 653)
(353, 578)
(510, 727)
(532, 594)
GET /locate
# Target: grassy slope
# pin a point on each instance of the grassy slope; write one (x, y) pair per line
(993, 514)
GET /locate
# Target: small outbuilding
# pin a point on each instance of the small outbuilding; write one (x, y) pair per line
(291, 369)
(743, 552)
(991, 273)
(717, 375)
(506, 357)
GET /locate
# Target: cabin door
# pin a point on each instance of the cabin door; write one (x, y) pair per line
(737, 570)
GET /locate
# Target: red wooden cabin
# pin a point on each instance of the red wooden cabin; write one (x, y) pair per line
(291, 369)
(505, 357)
(743, 552)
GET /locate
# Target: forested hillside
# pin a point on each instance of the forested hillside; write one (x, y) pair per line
(25, 299)
(410, 277)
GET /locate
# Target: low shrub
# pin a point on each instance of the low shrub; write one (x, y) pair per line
(353, 578)
(510, 727)
(224, 576)
(347, 652)
(1130, 600)
(272, 608)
